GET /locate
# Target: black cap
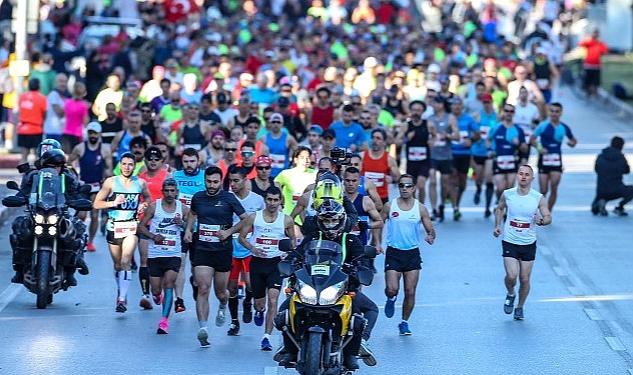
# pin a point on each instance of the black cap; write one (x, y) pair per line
(329, 133)
(222, 98)
(283, 101)
(153, 151)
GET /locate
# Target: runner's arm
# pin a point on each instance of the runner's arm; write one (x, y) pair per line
(377, 224)
(384, 213)
(370, 188)
(546, 216)
(393, 168)
(191, 218)
(247, 227)
(452, 121)
(499, 212)
(100, 202)
(302, 204)
(76, 154)
(289, 229)
(106, 154)
(115, 142)
(142, 226)
(427, 224)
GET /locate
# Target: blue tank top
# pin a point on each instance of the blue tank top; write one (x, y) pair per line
(188, 185)
(91, 165)
(361, 186)
(487, 124)
(278, 153)
(124, 143)
(128, 210)
(193, 137)
(360, 228)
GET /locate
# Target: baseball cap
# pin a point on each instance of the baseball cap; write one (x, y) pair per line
(263, 160)
(94, 127)
(485, 97)
(329, 133)
(276, 117)
(153, 151)
(218, 133)
(434, 68)
(316, 129)
(283, 101)
(221, 98)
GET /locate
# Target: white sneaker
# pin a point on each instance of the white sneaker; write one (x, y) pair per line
(221, 317)
(203, 337)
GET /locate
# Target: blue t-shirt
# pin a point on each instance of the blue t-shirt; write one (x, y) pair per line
(503, 137)
(551, 137)
(262, 96)
(466, 125)
(487, 124)
(350, 135)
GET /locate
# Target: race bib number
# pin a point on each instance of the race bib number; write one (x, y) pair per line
(278, 161)
(439, 142)
(355, 230)
(417, 153)
(377, 178)
(484, 130)
(551, 160)
(519, 225)
(267, 245)
(95, 187)
(320, 270)
(124, 229)
(185, 199)
(463, 134)
(195, 146)
(168, 243)
(506, 162)
(208, 233)
(542, 83)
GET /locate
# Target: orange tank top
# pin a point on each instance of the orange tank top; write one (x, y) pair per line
(377, 171)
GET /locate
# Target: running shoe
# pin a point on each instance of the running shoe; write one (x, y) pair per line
(163, 326)
(602, 207)
(194, 288)
(456, 215)
(158, 298)
(145, 304)
(518, 313)
(179, 306)
(366, 354)
(121, 306)
(247, 312)
(404, 329)
(477, 198)
(390, 307)
(265, 345)
(440, 213)
(619, 210)
(221, 317)
(508, 306)
(203, 337)
(234, 329)
(434, 215)
(91, 247)
(487, 213)
(259, 318)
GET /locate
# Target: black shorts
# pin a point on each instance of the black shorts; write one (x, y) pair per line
(526, 253)
(592, 77)
(418, 168)
(114, 241)
(29, 140)
(461, 163)
(403, 260)
(443, 166)
(264, 275)
(158, 266)
(545, 169)
(480, 160)
(220, 261)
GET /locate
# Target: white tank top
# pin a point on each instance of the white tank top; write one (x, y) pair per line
(163, 223)
(403, 227)
(519, 228)
(266, 236)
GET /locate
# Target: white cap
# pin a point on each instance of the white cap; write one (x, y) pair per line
(434, 68)
(94, 126)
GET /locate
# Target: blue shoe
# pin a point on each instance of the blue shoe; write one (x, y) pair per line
(390, 307)
(404, 329)
(259, 318)
(266, 346)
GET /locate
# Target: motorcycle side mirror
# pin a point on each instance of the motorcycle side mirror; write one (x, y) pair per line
(80, 205)
(285, 245)
(12, 185)
(285, 268)
(14, 201)
(365, 276)
(370, 252)
(85, 189)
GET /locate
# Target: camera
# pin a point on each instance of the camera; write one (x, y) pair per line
(340, 156)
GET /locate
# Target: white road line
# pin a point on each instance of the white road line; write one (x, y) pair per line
(593, 314)
(615, 343)
(8, 295)
(631, 371)
(559, 271)
(270, 370)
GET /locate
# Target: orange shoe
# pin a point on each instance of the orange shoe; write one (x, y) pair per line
(91, 247)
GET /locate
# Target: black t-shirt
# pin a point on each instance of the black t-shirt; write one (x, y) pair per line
(214, 214)
(109, 130)
(210, 118)
(150, 130)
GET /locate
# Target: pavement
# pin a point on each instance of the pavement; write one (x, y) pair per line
(579, 316)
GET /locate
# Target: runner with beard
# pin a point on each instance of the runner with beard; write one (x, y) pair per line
(378, 165)
(190, 180)
(293, 182)
(416, 139)
(214, 152)
(95, 164)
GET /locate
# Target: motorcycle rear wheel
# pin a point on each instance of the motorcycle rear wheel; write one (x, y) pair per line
(42, 273)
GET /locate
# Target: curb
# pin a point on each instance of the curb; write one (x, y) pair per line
(624, 110)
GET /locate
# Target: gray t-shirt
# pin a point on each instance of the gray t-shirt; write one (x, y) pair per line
(441, 149)
(53, 123)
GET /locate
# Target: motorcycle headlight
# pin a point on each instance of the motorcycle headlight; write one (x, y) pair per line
(331, 294)
(39, 219)
(307, 293)
(39, 230)
(52, 231)
(53, 219)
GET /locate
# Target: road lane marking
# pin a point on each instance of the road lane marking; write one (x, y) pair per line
(593, 314)
(8, 295)
(559, 271)
(615, 343)
(270, 370)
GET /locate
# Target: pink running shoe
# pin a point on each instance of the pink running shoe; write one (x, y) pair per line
(163, 326)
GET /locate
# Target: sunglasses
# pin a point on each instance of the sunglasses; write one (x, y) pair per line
(248, 154)
(146, 111)
(263, 168)
(230, 149)
(275, 122)
(405, 186)
(154, 159)
(508, 110)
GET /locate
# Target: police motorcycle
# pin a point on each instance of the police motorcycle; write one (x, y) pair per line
(319, 320)
(46, 242)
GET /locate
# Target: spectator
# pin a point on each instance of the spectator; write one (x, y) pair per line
(610, 166)
(77, 118)
(592, 62)
(112, 93)
(55, 118)
(32, 112)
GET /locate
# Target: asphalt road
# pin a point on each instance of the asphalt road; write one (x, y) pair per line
(579, 317)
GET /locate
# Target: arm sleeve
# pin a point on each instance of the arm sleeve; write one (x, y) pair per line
(568, 132)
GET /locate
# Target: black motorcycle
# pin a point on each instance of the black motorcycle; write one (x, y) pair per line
(319, 319)
(46, 234)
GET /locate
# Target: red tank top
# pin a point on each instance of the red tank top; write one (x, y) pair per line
(377, 171)
(155, 184)
(323, 116)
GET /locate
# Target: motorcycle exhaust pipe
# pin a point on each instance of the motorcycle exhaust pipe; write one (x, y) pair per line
(66, 229)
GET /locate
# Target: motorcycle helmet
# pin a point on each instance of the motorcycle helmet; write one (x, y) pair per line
(328, 186)
(53, 158)
(331, 219)
(48, 144)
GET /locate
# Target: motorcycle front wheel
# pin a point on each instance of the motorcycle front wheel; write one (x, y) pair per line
(313, 356)
(42, 274)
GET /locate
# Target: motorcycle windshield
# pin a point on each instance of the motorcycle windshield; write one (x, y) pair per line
(49, 189)
(322, 252)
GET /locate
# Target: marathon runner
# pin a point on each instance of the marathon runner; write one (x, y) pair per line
(527, 117)
(112, 124)
(190, 180)
(468, 133)
(268, 226)
(192, 133)
(263, 180)
(214, 151)
(293, 182)
(404, 215)
(240, 264)
(548, 139)
(281, 144)
(366, 186)
(121, 194)
(378, 165)
(95, 164)
(165, 217)
(122, 141)
(365, 208)
(213, 209)
(482, 163)
(417, 138)
(524, 208)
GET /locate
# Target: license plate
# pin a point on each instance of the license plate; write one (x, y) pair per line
(320, 270)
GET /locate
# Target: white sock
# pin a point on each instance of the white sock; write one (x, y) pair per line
(266, 336)
(124, 283)
(393, 298)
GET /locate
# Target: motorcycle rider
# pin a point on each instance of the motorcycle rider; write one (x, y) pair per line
(331, 223)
